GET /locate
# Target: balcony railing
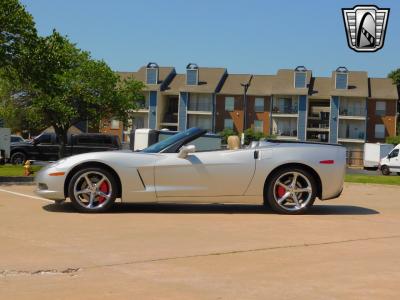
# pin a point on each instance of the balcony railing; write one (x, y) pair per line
(285, 132)
(170, 118)
(354, 112)
(353, 135)
(142, 104)
(285, 110)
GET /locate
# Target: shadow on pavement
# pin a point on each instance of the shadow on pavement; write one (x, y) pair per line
(212, 209)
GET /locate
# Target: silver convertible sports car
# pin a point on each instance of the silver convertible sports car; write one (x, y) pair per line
(286, 176)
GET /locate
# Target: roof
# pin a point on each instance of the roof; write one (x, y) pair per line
(357, 85)
(209, 81)
(164, 73)
(320, 88)
(233, 84)
(174, 87)
(383, 88)
(127, 75)
(284, 83)
(261, 85)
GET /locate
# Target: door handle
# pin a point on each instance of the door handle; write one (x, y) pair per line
(256, 154)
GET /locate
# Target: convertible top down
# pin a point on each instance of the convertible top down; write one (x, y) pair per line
(287, 176)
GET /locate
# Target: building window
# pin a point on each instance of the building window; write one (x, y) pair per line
(285, 105)
(300, 80)
(380, 108)
(379, 131)
(229, 103)
(114, 124)
(284, 127)
(228, 124)
(341, 81)
(258, 125)
(152, 73)
(352, 107)
(200, 102)
(259, 105)
(200, 121)
(192, 74)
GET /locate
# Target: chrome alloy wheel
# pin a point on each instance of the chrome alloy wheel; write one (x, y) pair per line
(292, 191)
(92, 190)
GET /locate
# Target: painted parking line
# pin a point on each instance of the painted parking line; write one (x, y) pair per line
(25, 195)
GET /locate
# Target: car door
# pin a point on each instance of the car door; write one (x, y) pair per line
(212, 173)
(47, 147)
(394, 162)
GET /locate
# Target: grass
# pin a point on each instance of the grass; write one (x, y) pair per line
(376, 179)
(15, 170)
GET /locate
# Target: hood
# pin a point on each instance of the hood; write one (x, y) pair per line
(120, 158)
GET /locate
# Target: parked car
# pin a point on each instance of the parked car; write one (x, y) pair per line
(16, 139)
(46, 146)
(391, 163)
(287, 176)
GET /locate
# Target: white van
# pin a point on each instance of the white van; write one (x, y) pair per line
(391, 163)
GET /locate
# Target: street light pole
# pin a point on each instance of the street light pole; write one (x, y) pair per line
(245, 87)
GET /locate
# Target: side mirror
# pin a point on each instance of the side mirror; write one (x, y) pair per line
(35, 142)
(185, 150)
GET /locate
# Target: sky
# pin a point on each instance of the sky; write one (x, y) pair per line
(253, 36)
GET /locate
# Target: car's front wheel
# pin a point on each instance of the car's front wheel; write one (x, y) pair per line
(291, 191)
(92, 190)
(18, 158)
(385, 170)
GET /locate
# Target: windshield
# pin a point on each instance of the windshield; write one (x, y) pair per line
(158, 147)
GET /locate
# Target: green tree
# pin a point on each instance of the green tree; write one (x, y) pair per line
(17, 37)
(68, 86)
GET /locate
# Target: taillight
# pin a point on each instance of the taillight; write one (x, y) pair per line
(327, 162)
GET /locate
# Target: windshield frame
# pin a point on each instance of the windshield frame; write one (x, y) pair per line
(173, 143)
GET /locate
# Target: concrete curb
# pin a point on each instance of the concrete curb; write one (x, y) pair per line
(16, 180)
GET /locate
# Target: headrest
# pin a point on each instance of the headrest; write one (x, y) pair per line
(233, 142)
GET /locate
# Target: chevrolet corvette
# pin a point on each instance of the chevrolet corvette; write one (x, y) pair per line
(287, 176)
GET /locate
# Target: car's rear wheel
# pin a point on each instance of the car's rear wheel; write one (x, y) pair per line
(291, 191)
(398, 173)
(92, 190)
(385, 170)
(18, 158)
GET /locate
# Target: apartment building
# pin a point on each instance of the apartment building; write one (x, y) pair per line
(348, 107)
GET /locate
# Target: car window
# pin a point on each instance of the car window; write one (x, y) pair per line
(394, 153)
(15, 139)
(207, 143)
(43, 139)
(94, 140)
(157, 147)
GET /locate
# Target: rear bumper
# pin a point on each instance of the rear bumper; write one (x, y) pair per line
(333, 197)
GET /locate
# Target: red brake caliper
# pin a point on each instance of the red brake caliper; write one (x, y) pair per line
(103, 188)
(280, 191)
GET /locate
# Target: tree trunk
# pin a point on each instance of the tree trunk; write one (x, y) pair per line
(62, 135)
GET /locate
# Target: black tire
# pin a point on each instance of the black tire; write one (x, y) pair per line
(270, 192)
(101, 207)
(385, 170)
(398, 173)
(18, 158)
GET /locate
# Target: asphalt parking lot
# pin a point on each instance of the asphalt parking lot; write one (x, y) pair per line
(348, 248)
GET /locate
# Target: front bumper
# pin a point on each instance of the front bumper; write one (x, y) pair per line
(49, 187)
(52, 195)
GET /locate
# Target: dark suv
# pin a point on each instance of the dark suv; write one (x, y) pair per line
(46, 146)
